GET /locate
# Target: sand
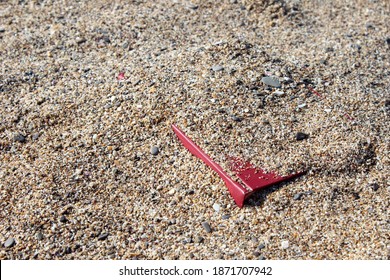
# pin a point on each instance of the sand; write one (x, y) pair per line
(79, 179)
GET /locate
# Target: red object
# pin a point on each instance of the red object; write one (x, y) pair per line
(252, 177)
(121, 76)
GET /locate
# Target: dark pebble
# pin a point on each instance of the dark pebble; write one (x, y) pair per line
(261, 246)
(68, 250)
(298, 196)
(154, 150)
(20, 138)
(301, 136)
(262, 258)
(103, 236)
(225, 217)
(256, 253)
(40, 236)
(388, 40)
(9, 242)
(63, 219)
(374, 186)
(206, 226)
(190, 192)
(356, 195)
(236, 119)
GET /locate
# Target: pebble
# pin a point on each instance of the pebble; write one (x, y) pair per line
(225, 217)
(298, 196)
(216, 207)
(236, 119)
(301, 136)
(374, 186)
(2, 29)
(80, 40)
(285, 244)
(103, 236)
(279, 93)
(192, 6)
(199, 239)
(35, 136)
(206, 226)
(19, 138)
(217, 68)
(261, 246)
(270, 81)
(39, 236)
(9, 242)
(63, 219)
(303, 105)
(154, 150)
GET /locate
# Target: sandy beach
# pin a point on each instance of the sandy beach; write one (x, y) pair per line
(91, 169)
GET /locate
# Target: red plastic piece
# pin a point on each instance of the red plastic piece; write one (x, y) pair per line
(252, 177)
(121, 76)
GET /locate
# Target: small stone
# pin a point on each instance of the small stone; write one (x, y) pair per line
(285, 244)
(217, 68)
(190, 192)
(388, 40)
(327, 110)
(374, 186)
(172, 191)
(35, 136)
(103, 236)
(298, 196)
(262, 258)
(154, 150)
(261, 246)
(2, 29)
(68, 250)
(206, 226)
(301, 136)
(225, 217)
(216, 207)
(9, 242)
(192, 6)
(80, 40)
(270, 81)
(236, 119)
(198, 239)
(19, 138)
(39, 236)
(303, 105)
(279, 93)
(63, 219)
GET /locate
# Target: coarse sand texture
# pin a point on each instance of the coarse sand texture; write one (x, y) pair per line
(91, 169)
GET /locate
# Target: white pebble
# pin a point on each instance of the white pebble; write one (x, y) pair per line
(285, 244)
(279, 93)
(216, 207)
